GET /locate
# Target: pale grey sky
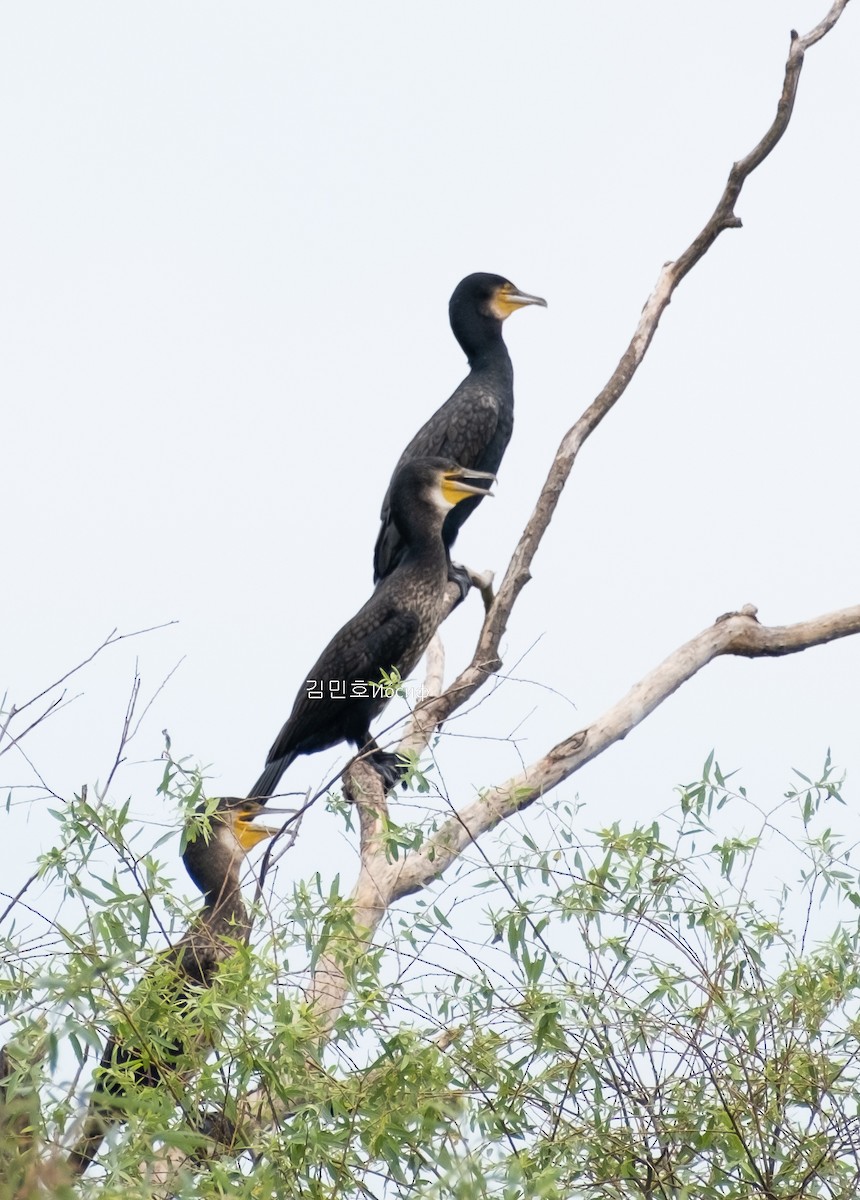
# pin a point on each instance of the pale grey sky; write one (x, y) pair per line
(229, 234)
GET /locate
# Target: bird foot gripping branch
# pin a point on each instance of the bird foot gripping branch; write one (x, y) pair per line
(464, 578)
(483, 581)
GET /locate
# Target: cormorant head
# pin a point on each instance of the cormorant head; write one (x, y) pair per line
(479, 305)
(215, 856)
(424, 490)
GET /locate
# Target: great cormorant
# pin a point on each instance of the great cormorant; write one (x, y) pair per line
(341, 696)
(214, 867)
(474, 426)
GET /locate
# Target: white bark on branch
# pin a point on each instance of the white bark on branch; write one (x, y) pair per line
(734, 633)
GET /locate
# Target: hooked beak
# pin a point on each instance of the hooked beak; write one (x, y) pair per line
(249, 834)
(521, 299)
(508, 299)
(461, 482)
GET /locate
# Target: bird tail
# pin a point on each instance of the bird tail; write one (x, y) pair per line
(271, 777)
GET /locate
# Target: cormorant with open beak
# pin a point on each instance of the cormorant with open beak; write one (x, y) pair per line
(474, 426)
(339, 699)
(213, 862)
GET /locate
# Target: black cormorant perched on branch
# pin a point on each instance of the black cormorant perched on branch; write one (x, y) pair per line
(213, 865)
(341, 696)
(474, 426)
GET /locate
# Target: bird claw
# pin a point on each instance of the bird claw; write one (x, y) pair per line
(465, 578)
(462, 576)
(483, 581)
(390, 768)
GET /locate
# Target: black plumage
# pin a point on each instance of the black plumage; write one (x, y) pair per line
(474, 426)
(214, 867)
(339, 700)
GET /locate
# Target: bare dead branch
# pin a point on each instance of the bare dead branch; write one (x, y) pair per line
(363, 787)
(734, 633)
(152, 699)
(485, 660)
(53, 706)
(112, 639)
(126, 727)
(415, 738)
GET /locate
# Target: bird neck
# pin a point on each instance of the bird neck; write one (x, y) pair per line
(425, 550)
(493, 360)
(480, 336)
(214, 871)
(224, 902)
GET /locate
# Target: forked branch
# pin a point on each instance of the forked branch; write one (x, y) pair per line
(734, 633)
